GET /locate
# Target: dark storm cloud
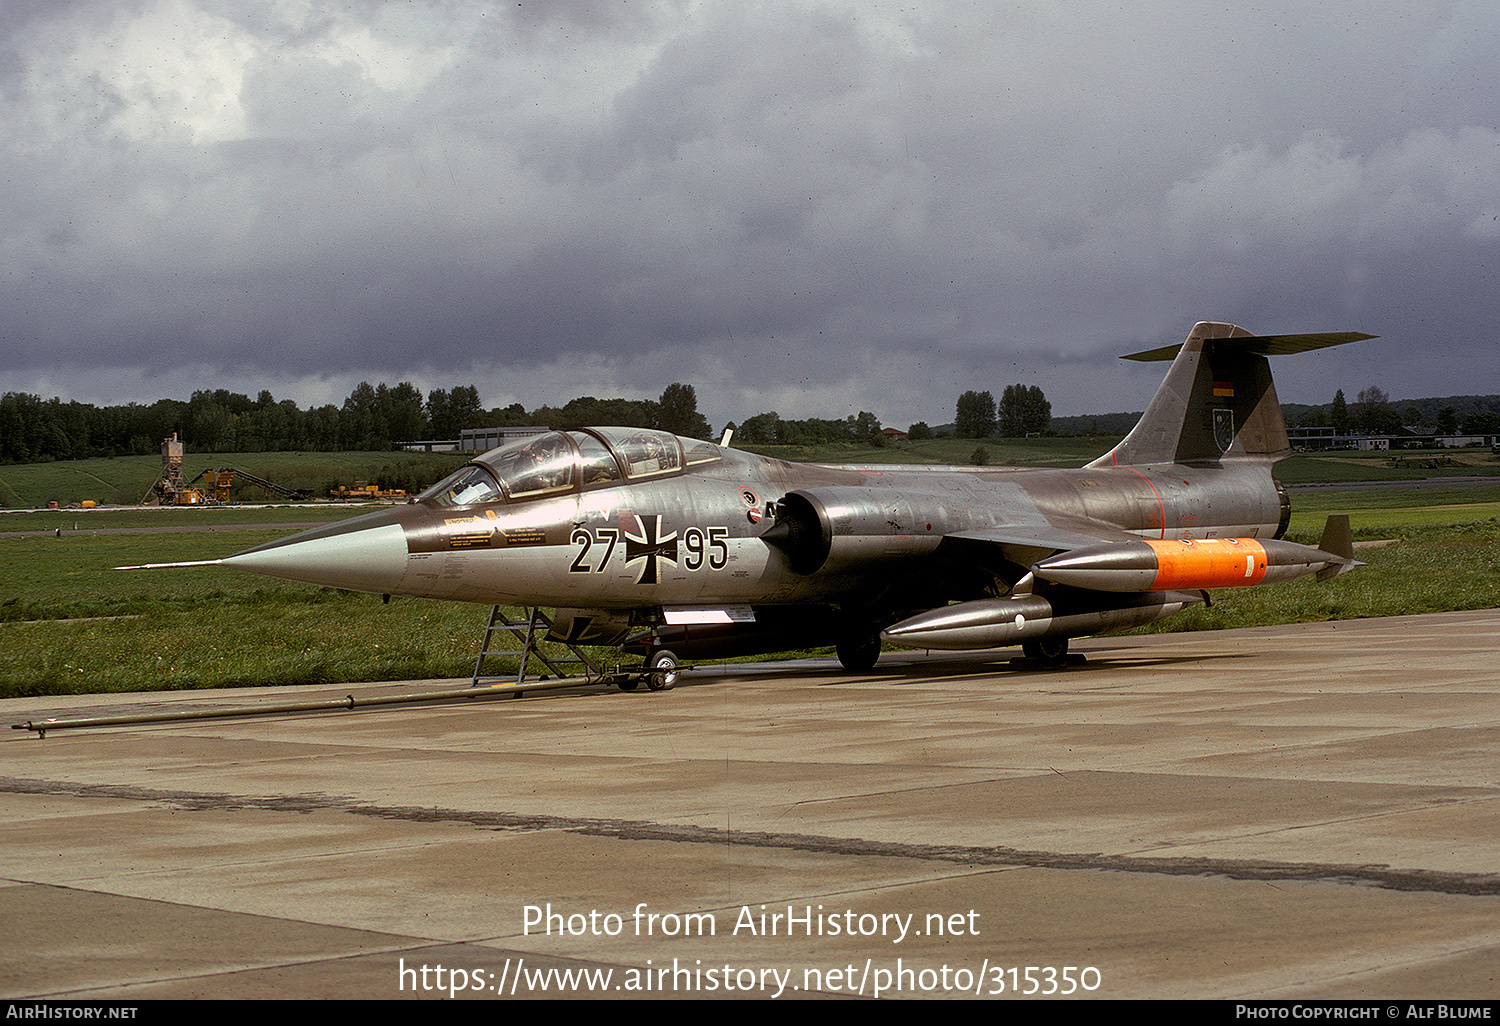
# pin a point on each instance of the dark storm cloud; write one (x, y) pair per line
(814, 208)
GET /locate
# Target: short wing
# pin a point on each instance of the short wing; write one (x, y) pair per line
(1025, 544)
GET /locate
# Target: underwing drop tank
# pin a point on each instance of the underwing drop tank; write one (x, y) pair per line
(998, 622)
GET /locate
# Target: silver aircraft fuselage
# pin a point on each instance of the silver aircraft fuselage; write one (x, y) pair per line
(697, 538)
(633, 529)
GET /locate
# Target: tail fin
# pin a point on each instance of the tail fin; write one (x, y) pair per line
(1218, 401)
(1337, 540)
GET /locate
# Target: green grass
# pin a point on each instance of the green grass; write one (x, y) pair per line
(70, 624)
(1003, 452)
(1335, 468)
(1444, 554)
(1299, 468)
(1378, 512)
(51, 578)
(124, 480)
(1347, 501)
(259, 638)
(204, 628)
(1427, 569)
(85, 521)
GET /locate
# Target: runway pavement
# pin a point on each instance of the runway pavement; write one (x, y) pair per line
(1309, 811)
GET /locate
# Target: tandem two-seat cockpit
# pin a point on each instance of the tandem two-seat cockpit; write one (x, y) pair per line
(561, 462)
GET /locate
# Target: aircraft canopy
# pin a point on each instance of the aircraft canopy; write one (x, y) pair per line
(559, 462)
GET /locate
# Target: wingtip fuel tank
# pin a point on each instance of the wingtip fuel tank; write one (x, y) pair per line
(1186, 563)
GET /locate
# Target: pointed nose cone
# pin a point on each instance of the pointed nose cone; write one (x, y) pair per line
(367, 553)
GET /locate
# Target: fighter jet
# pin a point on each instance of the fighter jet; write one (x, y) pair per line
(676, 548)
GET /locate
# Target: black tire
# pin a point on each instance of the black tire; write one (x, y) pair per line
(858, 652)
(629, 683)
(1050, 651)
(662, 670)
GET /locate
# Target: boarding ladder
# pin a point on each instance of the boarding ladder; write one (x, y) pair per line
(529, 631)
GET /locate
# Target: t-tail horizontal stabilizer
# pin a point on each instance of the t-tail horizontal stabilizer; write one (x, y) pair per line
(1217, 402)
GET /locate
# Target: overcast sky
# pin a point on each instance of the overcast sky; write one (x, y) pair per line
(809, 207)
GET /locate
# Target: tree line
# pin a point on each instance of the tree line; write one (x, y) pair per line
(1373, 413)
(372, 418)
(771, 429)
(375, 417)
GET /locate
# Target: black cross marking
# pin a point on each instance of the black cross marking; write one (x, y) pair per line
(650, 545)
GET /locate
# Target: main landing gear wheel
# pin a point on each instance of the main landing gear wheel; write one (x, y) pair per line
(858, 652)
(1048, 651)
(662, 670)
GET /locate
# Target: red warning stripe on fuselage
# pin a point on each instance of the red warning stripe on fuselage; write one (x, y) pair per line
(1208, 563)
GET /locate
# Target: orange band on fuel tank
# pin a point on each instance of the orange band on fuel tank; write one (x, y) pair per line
(1208, 563)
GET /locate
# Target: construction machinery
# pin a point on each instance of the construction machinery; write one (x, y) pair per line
(170, 489)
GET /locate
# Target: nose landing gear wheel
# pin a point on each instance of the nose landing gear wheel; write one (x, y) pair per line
(662, 670)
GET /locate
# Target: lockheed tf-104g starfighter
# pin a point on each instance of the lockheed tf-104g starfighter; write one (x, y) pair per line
(676, 547)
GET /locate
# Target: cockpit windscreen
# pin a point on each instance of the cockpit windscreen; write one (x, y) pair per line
(557, 462)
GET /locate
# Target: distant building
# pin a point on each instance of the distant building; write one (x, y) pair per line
(1314, 438)
(474, 440)
(1418, 437)
(485, 439)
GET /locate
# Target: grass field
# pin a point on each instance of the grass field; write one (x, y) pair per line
(1375, 513)
(124, 480)
(69, 624)
(1000, 452)
(1334, 468)
(1299, 468)
(1427, 568)
(211, 517)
